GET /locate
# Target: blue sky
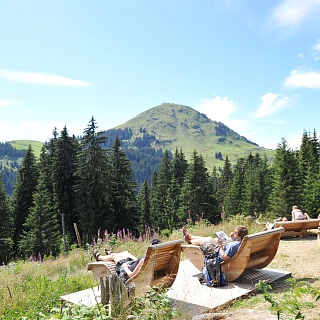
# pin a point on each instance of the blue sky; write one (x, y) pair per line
(253, 65)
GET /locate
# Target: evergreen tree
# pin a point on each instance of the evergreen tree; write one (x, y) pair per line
(41, 234)
(123, 188)
(311, 193)
(92, 187)
(234, 197)
(154, 202)
(6, 225)
(196, 194)
(23, 192)
(225, 181)
(144, 200)
(172, 201)
(160, 191)
(63, 180)
(286, 190)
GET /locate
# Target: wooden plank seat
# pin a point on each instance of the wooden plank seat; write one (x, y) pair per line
(159, 268)
(300, 228)
(255, 252)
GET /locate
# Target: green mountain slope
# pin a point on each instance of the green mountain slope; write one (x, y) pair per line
(178, 126)
(24, 145)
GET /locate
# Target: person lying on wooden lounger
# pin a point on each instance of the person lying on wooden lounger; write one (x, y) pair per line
(127, 265)
(225, 251)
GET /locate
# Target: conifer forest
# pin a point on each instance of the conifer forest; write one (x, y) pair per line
(77, 190)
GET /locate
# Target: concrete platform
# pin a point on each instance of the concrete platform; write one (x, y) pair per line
(193, 298)
(189, 295)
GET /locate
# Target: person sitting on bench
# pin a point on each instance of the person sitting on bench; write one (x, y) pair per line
(225, 251)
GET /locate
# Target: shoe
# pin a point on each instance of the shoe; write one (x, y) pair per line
(186, 235)
(96, 254)
(107, 251)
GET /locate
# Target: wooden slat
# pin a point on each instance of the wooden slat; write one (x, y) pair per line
(160, 266)
(256, 251)
(298, 227)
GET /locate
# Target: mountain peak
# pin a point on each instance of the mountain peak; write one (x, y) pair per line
(179, 126)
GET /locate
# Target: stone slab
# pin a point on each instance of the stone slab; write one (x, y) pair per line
(193, 298)
(189, 295)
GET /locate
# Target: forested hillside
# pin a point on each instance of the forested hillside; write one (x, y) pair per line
(84, 184)
(10, 159)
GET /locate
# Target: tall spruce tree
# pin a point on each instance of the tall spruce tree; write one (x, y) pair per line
(123, 188)
(234, 197)
(286, 190)
(92, 187)
(63, 181)
(172, 201)
(224, 183)
(197, 193)
(6, 225)
(41, 235)
(25, 186)
(160, 191)
(144, 200)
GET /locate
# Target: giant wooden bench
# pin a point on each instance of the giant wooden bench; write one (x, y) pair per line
(299, 228)
(159, 268)
(255, 252)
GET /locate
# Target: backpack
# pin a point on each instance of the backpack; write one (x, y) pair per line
(212, 274)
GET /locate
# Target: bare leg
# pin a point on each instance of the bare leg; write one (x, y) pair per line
(199, 240)
(116, 257)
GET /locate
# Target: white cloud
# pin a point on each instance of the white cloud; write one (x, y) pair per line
(222, 109)
(316, 47)
(32, 130)
(218, 109)
(309, 79)
(271, 104)
(42, 78)
(294, 141)
(292, 12)
(8, 103)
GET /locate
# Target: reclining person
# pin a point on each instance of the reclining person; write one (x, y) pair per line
(225, 251)
(127, 265)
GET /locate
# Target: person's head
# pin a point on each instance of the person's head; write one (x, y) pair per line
(241, 231)
(155, 241)
(294, 207)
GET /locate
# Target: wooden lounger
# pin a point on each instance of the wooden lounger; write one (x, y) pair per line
(256, 252)
(160, 267)
(299, 228)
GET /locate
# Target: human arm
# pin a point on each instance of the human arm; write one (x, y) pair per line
(222, 252)
(136, 269)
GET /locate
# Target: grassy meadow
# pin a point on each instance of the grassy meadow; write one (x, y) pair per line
(32, 289)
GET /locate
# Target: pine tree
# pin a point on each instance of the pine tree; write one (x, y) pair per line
(123, 188)
(6, 225)
(234, 197)
(23, 192)
(197, 193)
(92, 188)
(286, 190)
(160, 191)
(172, 200)
(224, 182)
(41, 234)
(144, 200)
(63, 181)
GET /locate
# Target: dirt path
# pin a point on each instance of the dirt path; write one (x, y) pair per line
(302, 258)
